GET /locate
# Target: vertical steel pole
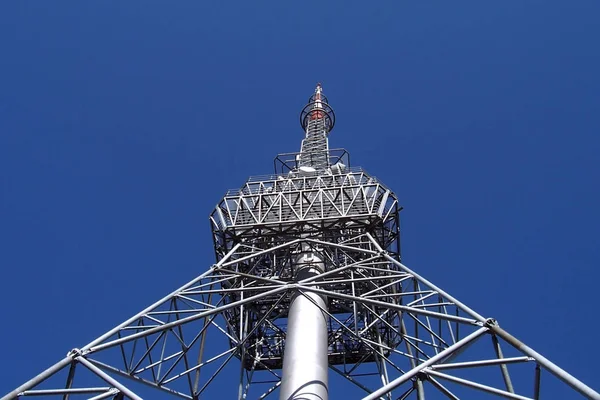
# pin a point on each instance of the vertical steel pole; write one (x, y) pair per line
(305, 355)
(420, 389)
(503, 367)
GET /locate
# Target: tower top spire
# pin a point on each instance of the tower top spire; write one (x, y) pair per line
(318, 108)
(317, 120)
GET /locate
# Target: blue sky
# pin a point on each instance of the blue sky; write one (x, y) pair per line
(123, 123)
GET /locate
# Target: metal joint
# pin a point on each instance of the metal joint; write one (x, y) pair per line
(74, 353)
(421, 376)
(491, 322)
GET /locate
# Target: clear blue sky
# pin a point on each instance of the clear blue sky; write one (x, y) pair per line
(123, 123)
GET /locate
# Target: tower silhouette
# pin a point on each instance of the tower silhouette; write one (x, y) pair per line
(308, 282)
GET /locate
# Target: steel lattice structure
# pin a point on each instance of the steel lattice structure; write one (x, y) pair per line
(308, 278)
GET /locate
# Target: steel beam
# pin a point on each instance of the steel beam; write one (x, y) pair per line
(39, 378)
(413, 372)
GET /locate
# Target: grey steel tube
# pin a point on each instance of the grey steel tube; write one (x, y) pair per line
(305, 355)
(38, 379)
(549, 365)
(413, 372)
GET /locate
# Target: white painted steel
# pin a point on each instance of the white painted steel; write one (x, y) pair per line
(305, 355)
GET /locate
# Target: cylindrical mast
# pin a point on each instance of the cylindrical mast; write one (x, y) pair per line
(305, 363)
(305, 358)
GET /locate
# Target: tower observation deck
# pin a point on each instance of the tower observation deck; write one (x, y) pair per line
(307, 286)
(312, 220)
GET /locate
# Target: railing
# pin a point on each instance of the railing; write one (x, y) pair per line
(270, 181)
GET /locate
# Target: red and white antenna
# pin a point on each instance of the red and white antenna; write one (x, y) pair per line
(318, 108)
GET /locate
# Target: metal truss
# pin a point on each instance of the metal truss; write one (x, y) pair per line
(317, 119)
(393, 335)
(325, 236)
(274, 199)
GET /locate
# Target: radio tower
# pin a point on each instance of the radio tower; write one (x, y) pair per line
(308, 285)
